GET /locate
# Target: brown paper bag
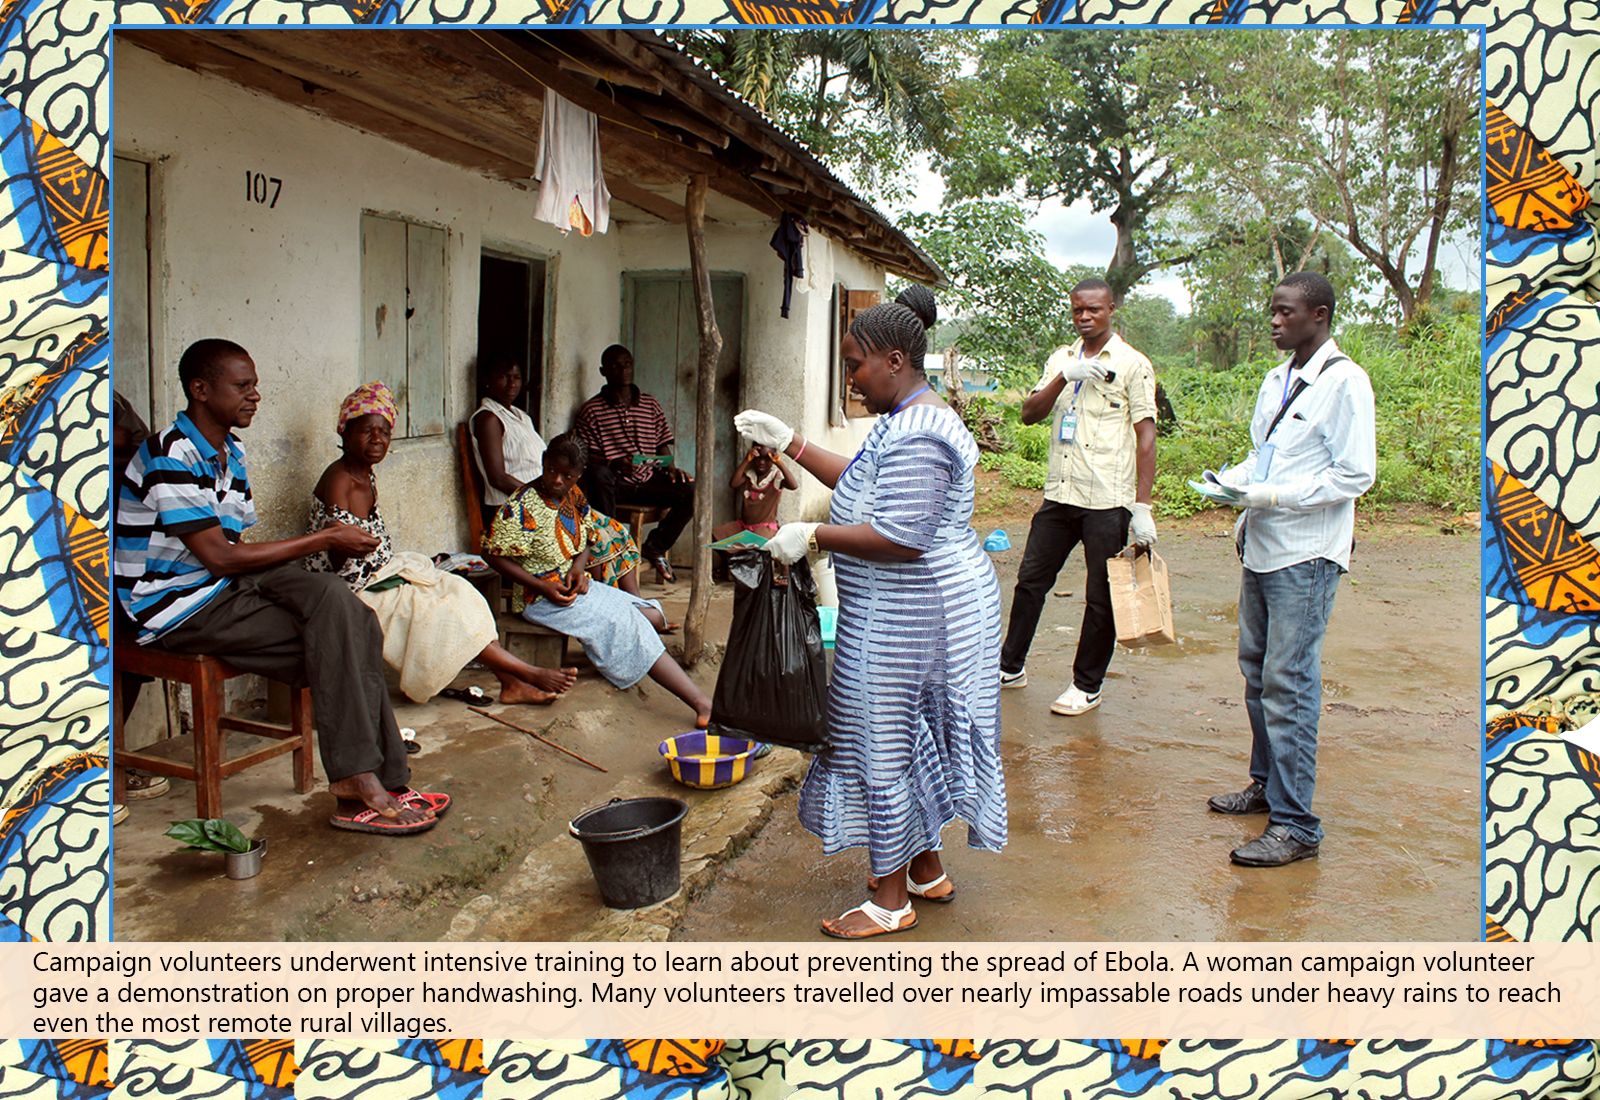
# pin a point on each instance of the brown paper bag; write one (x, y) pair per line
(1141, 601)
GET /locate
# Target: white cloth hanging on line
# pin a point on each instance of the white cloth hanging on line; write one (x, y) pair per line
(572, 186)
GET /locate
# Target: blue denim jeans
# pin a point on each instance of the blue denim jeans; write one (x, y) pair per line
(1283, 616)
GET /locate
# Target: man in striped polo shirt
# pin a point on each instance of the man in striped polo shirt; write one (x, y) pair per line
(1314, 451)
(620, 426)
(191, 584)
(1099, 396)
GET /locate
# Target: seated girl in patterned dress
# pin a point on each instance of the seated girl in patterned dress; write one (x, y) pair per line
(508, 448)
(433, 622)
(542, 541)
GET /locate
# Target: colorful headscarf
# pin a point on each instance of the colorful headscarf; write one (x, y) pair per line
(374, 397)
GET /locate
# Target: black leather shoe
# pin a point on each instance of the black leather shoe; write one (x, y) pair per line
(1273, 848)
(663, 570)
(1251, 800)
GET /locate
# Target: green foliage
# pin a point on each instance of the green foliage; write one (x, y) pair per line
(1006, 305)
(1059, 114)
(865, 101)
(1031, 441)
(209, 835)
(1372, 136)
(1022, 472)
(1426, 387)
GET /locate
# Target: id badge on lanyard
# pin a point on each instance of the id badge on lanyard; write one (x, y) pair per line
(1069, 419)
(1263, 462)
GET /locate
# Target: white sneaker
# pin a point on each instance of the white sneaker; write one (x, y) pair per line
(1017, 679)
(1074, 701)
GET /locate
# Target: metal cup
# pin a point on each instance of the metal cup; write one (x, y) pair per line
(245, 864)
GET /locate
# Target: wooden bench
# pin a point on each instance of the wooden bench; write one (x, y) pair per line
(538, 645)
(211, 763)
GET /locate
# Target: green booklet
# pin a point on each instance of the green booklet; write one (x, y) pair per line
(739, 541)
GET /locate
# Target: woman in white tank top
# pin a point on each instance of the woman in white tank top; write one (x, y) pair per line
(510, 453)
(505, 443)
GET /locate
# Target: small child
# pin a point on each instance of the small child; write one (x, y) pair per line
(760, 479)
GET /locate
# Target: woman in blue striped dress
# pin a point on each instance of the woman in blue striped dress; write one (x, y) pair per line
(914, 706)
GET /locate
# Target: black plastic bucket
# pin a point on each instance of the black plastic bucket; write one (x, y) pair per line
(634, 846)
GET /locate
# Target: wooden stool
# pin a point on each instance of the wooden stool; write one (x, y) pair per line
(205, 677)
(637, 515)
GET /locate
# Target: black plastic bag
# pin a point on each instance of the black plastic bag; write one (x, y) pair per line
(774, 681)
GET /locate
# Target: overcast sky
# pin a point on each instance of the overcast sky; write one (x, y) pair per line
(1076, 234)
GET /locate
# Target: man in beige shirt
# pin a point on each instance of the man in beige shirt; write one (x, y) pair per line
(1100, 397)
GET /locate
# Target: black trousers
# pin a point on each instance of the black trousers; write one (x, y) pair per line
(308, 630)
(606, 490)
(1056, 530)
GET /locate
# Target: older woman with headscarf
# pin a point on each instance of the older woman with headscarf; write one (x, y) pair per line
(914, 702)
(433, 622)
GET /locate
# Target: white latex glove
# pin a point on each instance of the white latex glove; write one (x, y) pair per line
(1257, 496)
(791, 542)
(763, 428)
(1083, 370)
(1142, 531)
(1234, 477)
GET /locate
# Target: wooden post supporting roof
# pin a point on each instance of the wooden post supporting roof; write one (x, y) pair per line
(694, 629)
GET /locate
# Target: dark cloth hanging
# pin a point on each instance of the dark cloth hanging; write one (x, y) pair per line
(788, 241)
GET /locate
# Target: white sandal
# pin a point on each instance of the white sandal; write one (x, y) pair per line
(887, 920)
(920, 889)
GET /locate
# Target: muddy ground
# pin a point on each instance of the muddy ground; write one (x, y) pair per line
(1110, 837)
(1109, 834)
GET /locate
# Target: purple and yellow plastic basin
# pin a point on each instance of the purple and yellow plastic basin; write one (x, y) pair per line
(707, 761)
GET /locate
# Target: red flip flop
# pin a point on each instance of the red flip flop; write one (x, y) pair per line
(410, 797)
(371, 821)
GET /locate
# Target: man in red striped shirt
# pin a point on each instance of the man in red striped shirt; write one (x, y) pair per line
(627, 436)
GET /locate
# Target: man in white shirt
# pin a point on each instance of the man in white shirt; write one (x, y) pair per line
(1314, 452)
(1100, 397)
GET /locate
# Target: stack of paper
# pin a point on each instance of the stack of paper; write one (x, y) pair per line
(1213, 489)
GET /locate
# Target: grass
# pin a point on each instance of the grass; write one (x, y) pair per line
(1427, 394)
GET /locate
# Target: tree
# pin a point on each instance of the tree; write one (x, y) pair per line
(1238, 264)
(1058, 115)
(1372, 135)
(864, 99)
(1006, 304)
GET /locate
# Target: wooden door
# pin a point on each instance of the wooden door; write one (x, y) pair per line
(665, 340)
(851, 302)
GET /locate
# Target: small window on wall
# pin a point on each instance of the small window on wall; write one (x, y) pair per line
(850, 303)
(402, 319)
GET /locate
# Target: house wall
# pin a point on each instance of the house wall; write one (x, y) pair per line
(285, 281)
(786, 361)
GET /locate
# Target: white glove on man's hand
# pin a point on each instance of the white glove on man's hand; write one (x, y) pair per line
(1142, 531)
(1083, 370)
(791, 542)
(763, 428)
(1234, 477)
(1257, 496)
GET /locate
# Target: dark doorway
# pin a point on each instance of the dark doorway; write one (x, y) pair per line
(511, 320)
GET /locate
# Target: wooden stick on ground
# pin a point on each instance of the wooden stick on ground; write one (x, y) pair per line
(536, 737)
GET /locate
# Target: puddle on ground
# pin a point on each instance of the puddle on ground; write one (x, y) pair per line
(1186, 647)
